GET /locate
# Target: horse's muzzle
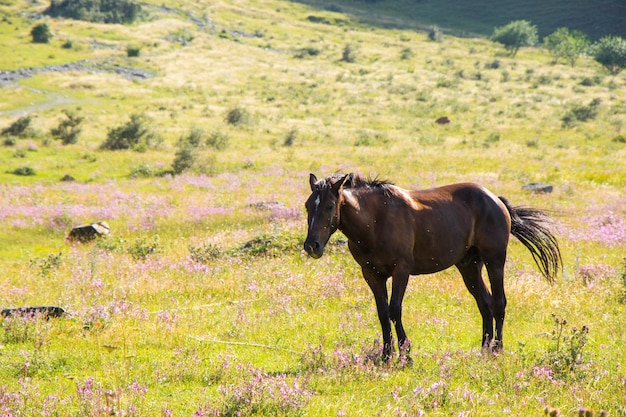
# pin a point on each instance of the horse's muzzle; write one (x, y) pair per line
(314, 249)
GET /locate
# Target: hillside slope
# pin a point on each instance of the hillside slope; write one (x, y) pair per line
(596, 19)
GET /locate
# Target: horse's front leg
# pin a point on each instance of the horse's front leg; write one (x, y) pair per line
(399, 283)
(378, 286)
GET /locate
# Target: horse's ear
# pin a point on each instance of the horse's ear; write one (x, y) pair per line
(338, 186)
(312, 181)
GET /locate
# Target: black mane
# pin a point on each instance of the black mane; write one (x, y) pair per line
(357, 180)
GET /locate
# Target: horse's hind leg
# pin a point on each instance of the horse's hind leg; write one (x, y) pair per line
(471, 270)
(400, 280)
(495, 269)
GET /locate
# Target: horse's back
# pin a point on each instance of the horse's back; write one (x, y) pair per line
(468, 210)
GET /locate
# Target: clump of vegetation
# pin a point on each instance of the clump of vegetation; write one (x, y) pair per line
(205, 253)
(218, 140)
(406, 54)
(435, 34)
(133, 51)
(238, 116)
(565, 357)
(565, 44)
(188, 149)
(271, 245)
(610, 52)
(101, 11)
(581, 113)
(136, 134)
(41, 33)
(515, 35)
(48, 265)
(24, 171)
(184, 159)
(142, 248)
(349, 54)
(306, 52)
(21, 128)
(68, 129)
(291, 136)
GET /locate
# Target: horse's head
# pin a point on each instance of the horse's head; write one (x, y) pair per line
(323, 208)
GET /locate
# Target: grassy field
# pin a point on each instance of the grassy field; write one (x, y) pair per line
(201, 302)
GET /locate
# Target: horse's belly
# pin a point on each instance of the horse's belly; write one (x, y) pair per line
(434, 264)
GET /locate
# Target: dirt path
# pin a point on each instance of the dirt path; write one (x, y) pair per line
(54, 99)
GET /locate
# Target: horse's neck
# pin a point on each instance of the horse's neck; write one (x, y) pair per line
(358, 214)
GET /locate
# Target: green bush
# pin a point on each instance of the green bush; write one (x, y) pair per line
(581, 113)
(218, 140)
(25, 171)
(136, 134)
(349, 54)
(68, 129)
(515, 35)
(184, 159)
(610, 52)
(435, 34)
(308, 51)
(566, 45)
(102, 11)
(204, 254)
(291, 137)
(133, 51)
(142, 248)
(41, 33)
(21, 128)
(238, 117)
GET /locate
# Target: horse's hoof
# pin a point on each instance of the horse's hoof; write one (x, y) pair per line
(405, 361)
(492, 346)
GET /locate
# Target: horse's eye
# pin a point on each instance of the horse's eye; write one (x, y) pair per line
(331, 206)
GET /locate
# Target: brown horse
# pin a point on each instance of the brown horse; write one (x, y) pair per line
(395, 233)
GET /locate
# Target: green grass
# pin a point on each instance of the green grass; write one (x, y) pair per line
(152, 331)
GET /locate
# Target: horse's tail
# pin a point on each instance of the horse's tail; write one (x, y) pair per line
(528, 225)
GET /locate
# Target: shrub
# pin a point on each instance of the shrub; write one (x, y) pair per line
(142, 171)
(133, 51)
(291, 137)
(189, 147)
(142, 248)
(102, 11)
(308, 51)
(435, 34)
(581, 113)
(610, 52)
(204, 254)
(20, 128)
(68, 129)
(135, 134)
(406, 54)
(195, 138)
(563, 44)
(238, 117)
(515, 35)
(25, 171)
(184, 158)
(218, 140)
(565, 357)
(269, 245)
(349, 54)
(41, 33)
